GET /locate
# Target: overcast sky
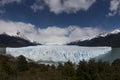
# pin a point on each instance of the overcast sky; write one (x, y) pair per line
(59, 21)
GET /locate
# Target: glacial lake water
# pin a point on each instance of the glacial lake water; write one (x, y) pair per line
(111, 56)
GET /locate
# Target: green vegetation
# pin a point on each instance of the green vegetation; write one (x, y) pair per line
(12, 68)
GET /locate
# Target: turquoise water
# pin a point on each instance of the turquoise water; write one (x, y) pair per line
(111, 56)
(2, 50)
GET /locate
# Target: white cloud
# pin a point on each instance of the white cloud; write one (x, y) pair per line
(4, 2)
(60, 6)
(114, 7)
(38, 5)
(54, 34)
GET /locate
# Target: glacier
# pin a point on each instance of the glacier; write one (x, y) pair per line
(58, 53)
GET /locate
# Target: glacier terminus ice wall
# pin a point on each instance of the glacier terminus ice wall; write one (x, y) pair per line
(58, 53)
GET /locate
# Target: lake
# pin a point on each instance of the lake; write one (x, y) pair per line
(111, 56)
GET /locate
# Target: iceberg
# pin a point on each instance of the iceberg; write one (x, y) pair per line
(58, 53)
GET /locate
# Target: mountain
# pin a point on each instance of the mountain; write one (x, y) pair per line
(17, 40)
(106, 39)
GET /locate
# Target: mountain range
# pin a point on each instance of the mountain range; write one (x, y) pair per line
(17, 40)
(111, 39)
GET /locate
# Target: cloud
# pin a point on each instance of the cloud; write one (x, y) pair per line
(66, 6)
(114, 7)
(4, 2)
(38, 5)
(52, 34)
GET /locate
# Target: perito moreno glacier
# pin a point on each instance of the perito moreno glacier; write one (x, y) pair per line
(58, 53)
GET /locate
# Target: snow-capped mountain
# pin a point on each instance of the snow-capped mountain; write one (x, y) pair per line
(16, 40)
(105, 39)
(116, 31)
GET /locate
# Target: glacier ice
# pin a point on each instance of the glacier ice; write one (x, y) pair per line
(58, 53)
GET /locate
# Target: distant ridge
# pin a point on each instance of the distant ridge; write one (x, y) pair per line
(106, 39)
(7, 40)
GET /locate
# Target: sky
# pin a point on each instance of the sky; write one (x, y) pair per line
(59, 21)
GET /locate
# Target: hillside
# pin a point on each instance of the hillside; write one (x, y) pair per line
(107, 39)
(14, 41)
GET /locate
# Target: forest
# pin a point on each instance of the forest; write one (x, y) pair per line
(18, 68)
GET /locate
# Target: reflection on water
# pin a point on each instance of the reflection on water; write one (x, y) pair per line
(111, 56)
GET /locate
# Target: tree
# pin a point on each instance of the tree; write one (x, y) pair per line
(69, 71)
(93, 69)
(22, 64)
(83, 71)
(116, 69)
